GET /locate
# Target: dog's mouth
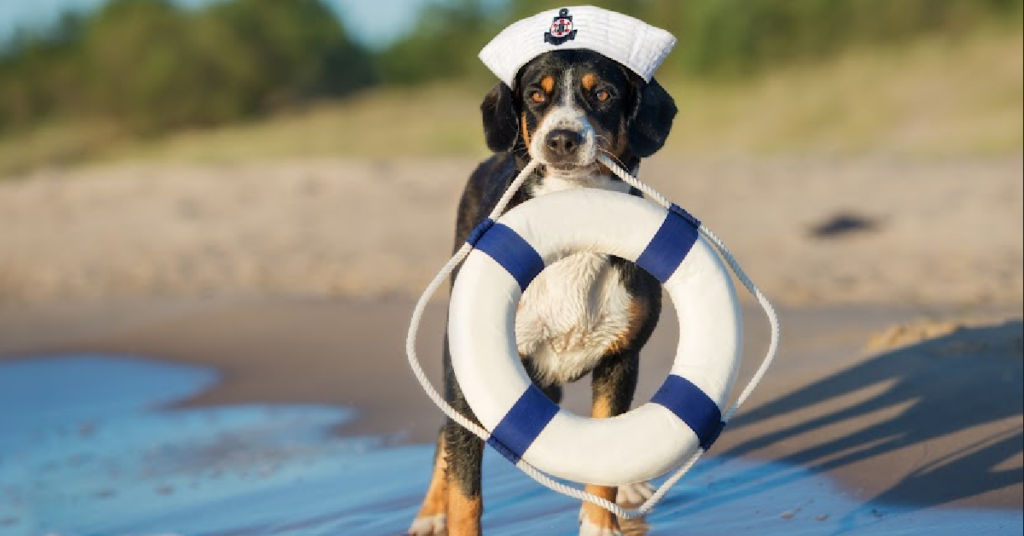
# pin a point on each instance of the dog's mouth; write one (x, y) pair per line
(572, 170)
(581, 165)
(567, 167)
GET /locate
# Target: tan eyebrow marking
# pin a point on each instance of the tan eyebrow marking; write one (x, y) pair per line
(589, 80)
(547, 84)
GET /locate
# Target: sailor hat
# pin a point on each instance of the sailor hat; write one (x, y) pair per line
(633, 43)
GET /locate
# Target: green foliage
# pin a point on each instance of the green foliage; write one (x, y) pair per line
(38, 73)
(746, 36)
(443, 44)
(716, 37)
(151, 66)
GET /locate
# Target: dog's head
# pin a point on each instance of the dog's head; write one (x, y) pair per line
(568, 106)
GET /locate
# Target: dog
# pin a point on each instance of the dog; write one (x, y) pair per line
(589, 313)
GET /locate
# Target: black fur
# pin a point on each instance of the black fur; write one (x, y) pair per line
(641, 113)
(652, 120)
(501, 125)
(648, 118)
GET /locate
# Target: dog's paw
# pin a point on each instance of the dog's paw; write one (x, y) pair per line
(435, 525)
(589, 529)
(634, 494)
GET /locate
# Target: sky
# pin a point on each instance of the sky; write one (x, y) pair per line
(375, 23)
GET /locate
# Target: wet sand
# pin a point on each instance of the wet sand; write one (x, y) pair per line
(931, 422)
(101, 457)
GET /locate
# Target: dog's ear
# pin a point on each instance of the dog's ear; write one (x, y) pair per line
(652, 119)
(501, 127)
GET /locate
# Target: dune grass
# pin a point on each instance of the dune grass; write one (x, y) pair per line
(937, 97)
(429, 121)
(934, 98)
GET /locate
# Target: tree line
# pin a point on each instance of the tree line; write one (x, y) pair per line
(717, 38)
(150, 66)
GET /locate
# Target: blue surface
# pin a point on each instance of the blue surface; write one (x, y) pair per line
(89, 449)
(48, 394)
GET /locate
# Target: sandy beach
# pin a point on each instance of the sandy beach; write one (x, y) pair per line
(899, 285)
(814, 231)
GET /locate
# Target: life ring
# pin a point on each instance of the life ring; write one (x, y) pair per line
(648, 441)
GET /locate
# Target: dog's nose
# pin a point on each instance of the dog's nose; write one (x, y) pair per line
(562, 143)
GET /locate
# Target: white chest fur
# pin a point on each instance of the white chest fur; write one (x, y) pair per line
(573, 312)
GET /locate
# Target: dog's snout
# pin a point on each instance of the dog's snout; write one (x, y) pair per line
(562, 144)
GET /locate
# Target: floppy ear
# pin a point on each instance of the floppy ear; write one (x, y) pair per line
(652, 119)
(501, 127)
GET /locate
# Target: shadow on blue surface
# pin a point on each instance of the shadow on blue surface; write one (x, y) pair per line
(938, 387)
(89, 448)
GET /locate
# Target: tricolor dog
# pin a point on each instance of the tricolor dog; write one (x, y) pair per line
(576, 83)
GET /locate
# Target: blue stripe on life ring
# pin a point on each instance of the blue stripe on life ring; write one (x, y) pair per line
(512, 252)
(692, 406)
(670, 245)
(479, 231)
(522, 424)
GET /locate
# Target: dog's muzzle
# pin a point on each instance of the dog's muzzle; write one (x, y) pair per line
(561, 146)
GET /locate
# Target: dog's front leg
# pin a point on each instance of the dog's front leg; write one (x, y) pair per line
(465, 454)
(614, 382)
(432, 517)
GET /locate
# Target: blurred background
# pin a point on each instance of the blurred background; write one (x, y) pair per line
(185, 111)
(94, 80)
(254, 192)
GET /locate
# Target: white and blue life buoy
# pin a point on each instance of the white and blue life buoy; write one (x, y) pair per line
(524, 425)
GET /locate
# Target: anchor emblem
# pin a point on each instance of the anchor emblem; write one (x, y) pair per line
(561, 29)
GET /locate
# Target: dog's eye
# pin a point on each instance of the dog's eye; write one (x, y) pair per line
(602, 95)
(538, 96)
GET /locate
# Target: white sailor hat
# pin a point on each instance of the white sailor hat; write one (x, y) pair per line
(629, 41)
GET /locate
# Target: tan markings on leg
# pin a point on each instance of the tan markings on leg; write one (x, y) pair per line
(594, 514)
(526, 131)
(547, 84)
(601, 408)
(463, 513)
(589, 80)
(436, 501)
(637, 312)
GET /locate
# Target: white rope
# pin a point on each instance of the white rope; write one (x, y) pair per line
(417, 312)
(541, 477)
(769, 311)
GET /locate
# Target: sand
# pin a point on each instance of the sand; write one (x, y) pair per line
(864, 230)
(899, 286)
